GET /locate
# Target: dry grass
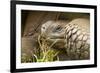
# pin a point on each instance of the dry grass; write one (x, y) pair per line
(46, 53)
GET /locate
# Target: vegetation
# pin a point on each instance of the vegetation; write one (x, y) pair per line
(45, 54)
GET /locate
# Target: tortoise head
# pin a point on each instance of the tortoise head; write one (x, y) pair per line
(53, 29)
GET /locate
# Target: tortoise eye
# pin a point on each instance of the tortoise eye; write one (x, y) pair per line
(57, 29)
(43, 27)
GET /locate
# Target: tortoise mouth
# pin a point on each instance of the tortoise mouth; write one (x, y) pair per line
(56, 36)
(52, 39)
(59, 42)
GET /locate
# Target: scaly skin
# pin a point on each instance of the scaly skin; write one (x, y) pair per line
(73, 36)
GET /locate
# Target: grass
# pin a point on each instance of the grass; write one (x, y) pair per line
(46, 53)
